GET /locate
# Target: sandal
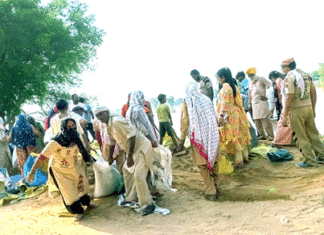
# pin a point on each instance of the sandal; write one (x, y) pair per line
(148, 210)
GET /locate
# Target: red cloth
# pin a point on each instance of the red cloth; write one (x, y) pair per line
(124, 110)
(146, 107)
(47, 120)
(98, 138)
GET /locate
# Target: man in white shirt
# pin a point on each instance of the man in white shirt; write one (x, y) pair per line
(76, 102)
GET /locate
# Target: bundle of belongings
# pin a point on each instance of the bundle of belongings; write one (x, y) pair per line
(272, 154)
(279, 155)
(14, 188)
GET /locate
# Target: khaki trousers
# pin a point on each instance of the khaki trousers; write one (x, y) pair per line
(135, 183)
(264, 124)
(303, 124)
(120, 160)
(210, 178)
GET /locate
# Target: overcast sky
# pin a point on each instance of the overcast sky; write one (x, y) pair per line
(153, 45)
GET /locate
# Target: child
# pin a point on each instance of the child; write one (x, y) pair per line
(165, 120)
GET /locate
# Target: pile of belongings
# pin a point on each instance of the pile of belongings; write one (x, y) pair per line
(14, 188)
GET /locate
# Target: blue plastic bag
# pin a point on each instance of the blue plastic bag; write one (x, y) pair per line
(40, 177)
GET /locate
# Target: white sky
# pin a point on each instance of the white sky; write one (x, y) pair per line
(153, 45)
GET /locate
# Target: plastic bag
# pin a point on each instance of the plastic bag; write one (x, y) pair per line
(10, 186)
(40, 177)
(107, 179)
(161, 170)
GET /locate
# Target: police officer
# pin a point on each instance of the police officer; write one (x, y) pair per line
(300, 106)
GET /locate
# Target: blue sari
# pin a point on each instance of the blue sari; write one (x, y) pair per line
(22, 133)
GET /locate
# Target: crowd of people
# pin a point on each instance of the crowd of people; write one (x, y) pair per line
(130, 139)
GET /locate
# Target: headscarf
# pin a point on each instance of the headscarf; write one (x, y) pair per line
(251, 71)
(203, 127)
(136, 115)
(101, 109)
(22, 133)
(68, 136)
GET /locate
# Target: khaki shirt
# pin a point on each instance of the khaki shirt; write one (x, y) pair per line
(292, 88)
(120, 132)
(257, 97)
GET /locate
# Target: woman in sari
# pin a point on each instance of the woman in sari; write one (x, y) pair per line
(67, 159)
(234, 130)
(199, 117)
(136, 116)
(23, 136)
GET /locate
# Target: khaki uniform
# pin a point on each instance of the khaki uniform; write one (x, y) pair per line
(302, 118)
(210, 178)
(135, 182)
(260, 106)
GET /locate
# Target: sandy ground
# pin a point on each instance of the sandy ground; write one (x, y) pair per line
(258, 199)
(255, 200)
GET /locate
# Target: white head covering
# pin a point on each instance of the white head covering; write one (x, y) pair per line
(101, 109)
(203, 127)
(299, 80)
(136, 115)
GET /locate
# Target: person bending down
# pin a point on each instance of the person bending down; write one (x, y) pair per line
(140, 156)
(67, 167)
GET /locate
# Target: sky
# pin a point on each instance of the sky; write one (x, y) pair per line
(153, 45)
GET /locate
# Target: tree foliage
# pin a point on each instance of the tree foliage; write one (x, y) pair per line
(318, 75)
(43, 50)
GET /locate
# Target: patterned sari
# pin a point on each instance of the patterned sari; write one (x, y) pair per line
(235, 134)
(203, 128)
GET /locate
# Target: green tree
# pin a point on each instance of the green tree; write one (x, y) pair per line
(43, 50)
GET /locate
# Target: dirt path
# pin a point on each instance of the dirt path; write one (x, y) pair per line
(255, 200)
